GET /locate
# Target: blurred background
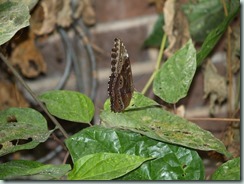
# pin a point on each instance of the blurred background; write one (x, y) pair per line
(68, 45)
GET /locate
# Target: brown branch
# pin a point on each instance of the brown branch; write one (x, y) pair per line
(214, 119)
(229, 64)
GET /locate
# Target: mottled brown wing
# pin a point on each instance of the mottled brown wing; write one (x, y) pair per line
(120, 85)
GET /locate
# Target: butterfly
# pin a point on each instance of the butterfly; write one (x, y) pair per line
(120, 85)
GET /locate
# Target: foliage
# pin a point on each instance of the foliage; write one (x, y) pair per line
(201, 23)
(173, 79)
(145, 142)
(21, 128)
(214, 36)
(170, 161)
(155, 37)
(145, 117)
(14, 15)
(78, 107)
(104, 166)
(35, 170)
(228, 171)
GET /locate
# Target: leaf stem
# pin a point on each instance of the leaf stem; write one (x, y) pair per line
(53, 119)
(159, 59)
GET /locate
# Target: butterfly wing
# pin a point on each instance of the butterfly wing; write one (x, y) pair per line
(120, 83)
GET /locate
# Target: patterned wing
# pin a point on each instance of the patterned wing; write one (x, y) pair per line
(120, 85)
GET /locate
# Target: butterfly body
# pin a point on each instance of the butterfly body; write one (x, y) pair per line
(120, 85)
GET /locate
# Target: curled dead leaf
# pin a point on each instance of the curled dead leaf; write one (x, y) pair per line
(50, 13)
(85, 10)
(64, 14)
(214, 86)
(11, 96)
(176, 26)
(43, 19)
(89, 16)
(159, 4)
(28, 59)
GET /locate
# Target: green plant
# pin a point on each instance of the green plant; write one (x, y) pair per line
(145, 142)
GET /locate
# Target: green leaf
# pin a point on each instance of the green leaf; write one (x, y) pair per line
(156, 36)
(30, 3)
(104, 166)
(228, 171)
(21, 128)
(146, 118)
(170, 162)
(69, 105)
(172, 81)
(14, 15)
(214, 36)
(203, 16)
(20, 169)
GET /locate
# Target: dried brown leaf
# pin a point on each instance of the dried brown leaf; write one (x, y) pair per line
(28, 59)
(43, 19)
(50, 13)
(85, 10)
(214, 86)
(10, 96)
(64, 14)
(176, 26)
(159, 4)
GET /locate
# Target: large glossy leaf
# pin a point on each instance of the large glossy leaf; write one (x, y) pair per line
(21, 128)
(146, 117)
(22, 169)
(14, 15)
(170, 162)
(230, 170)
(172, 81)
(203, 16)
(104, 166)
(69, 105)
(214, 36)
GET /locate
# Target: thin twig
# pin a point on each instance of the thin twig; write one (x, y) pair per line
(175, 109)
(66, 157)
(16, 74)
(214, 119)
(229, 65)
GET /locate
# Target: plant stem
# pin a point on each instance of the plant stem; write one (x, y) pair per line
(16, 74)
(214, 119)
(159, 59)
(229, 66)
(160, 55)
